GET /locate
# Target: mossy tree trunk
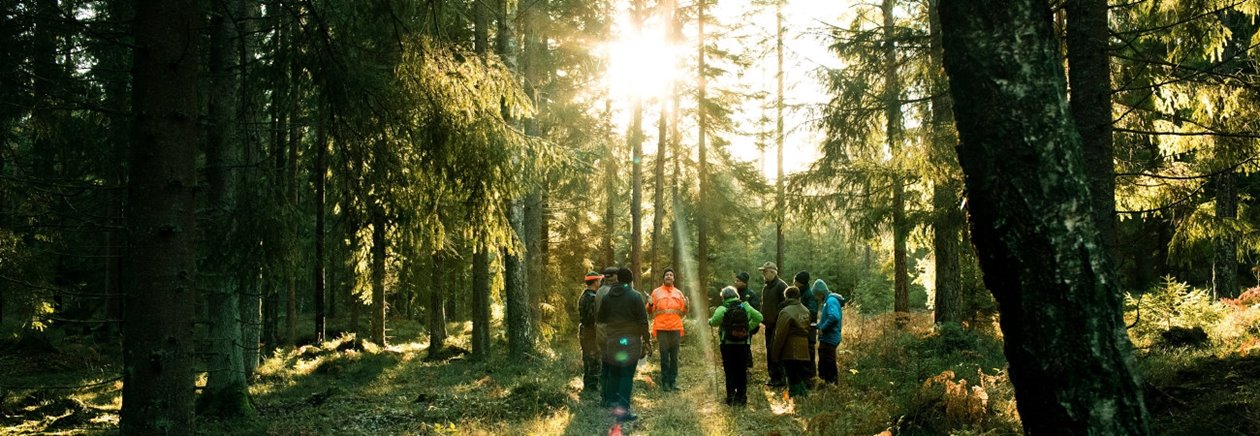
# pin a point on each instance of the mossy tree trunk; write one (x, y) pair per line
(1033, 222)
(947, 218)
(226, 393)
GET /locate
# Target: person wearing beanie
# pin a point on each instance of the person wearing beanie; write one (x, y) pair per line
(801, 281)
(830, 323)
(667, 305)
(624, 314)
(771, 304)
(586, 333)
(749, 296)
(735, 351)
(791, 346)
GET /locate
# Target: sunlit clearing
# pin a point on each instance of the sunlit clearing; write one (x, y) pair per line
(640, 63)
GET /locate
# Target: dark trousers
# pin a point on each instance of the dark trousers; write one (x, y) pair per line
(620, 357)
(797, 371)
(669, 340)
(827, 362)
(590, 360)
(774, 369)
(735, 366)
(749, 359)
(812, 370)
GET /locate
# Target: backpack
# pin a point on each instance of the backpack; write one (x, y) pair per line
(735, 322)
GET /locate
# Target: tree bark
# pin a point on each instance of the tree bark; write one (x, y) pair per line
(437, 312)
(481, 304)
(1224, 247)
(610, 195)
(892, 115)
(481, 258)
(520, 336)
(226, 393)
(702, 215)
(1089, 74)
(379, 247)
(947, 218)
(779, 202)
(635, 139)
(157, 359)
(321, 178)
(1033, 222)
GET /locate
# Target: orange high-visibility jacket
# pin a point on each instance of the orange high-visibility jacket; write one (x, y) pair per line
(667, 305)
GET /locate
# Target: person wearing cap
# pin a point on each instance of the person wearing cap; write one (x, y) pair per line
(735, 352)
(667, 305)
(771, 303)
(749, 296)
(801, 281)
(790, 346)
(624, 314)
(586, 333)
(830, 321)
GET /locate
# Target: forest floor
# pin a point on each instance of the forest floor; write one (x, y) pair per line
(903, 382)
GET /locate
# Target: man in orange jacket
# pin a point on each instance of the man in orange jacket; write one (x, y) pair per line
(667, 305)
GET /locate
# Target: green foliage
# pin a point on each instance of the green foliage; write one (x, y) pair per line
(1171, 304)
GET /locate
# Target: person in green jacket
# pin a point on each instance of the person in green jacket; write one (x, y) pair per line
(735, 332)
(791, 341)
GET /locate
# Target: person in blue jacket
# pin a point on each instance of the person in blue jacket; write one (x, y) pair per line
(830, 322)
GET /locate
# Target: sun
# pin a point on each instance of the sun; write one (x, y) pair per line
(642, 62)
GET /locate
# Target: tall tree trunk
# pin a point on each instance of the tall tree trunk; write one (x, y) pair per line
(892, 114)
(157, 348)
(658, 194)
(1089, 74)
(291, 180)
(481, 304)
(226, 393)
(320, 175)
(1242, 27)
(116, 99)
(702, 233)
(520, 337)
(947, 219)
(1224, 251)
(676, 147)
(481, 257)
(531, 66)
(379, 246)
(635, 139)
(610, 191)
(1033, 222)
(437, 313)
(779, 202)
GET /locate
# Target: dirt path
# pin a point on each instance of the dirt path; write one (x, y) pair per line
(697, 407)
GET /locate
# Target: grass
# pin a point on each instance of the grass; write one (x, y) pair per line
(917, 380)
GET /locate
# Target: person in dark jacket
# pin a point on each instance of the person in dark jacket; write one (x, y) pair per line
(735, 352)
(791, 344)
(601, 330)
(771, 303)
(748, 296)
(623, 313)
(801, 281)
(586, 333)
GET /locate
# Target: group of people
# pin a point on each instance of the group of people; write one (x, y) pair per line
(802, 325)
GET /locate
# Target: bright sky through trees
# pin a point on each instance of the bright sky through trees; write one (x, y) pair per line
(642, 63)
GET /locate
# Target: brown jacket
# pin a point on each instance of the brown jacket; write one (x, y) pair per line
(791, 340)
